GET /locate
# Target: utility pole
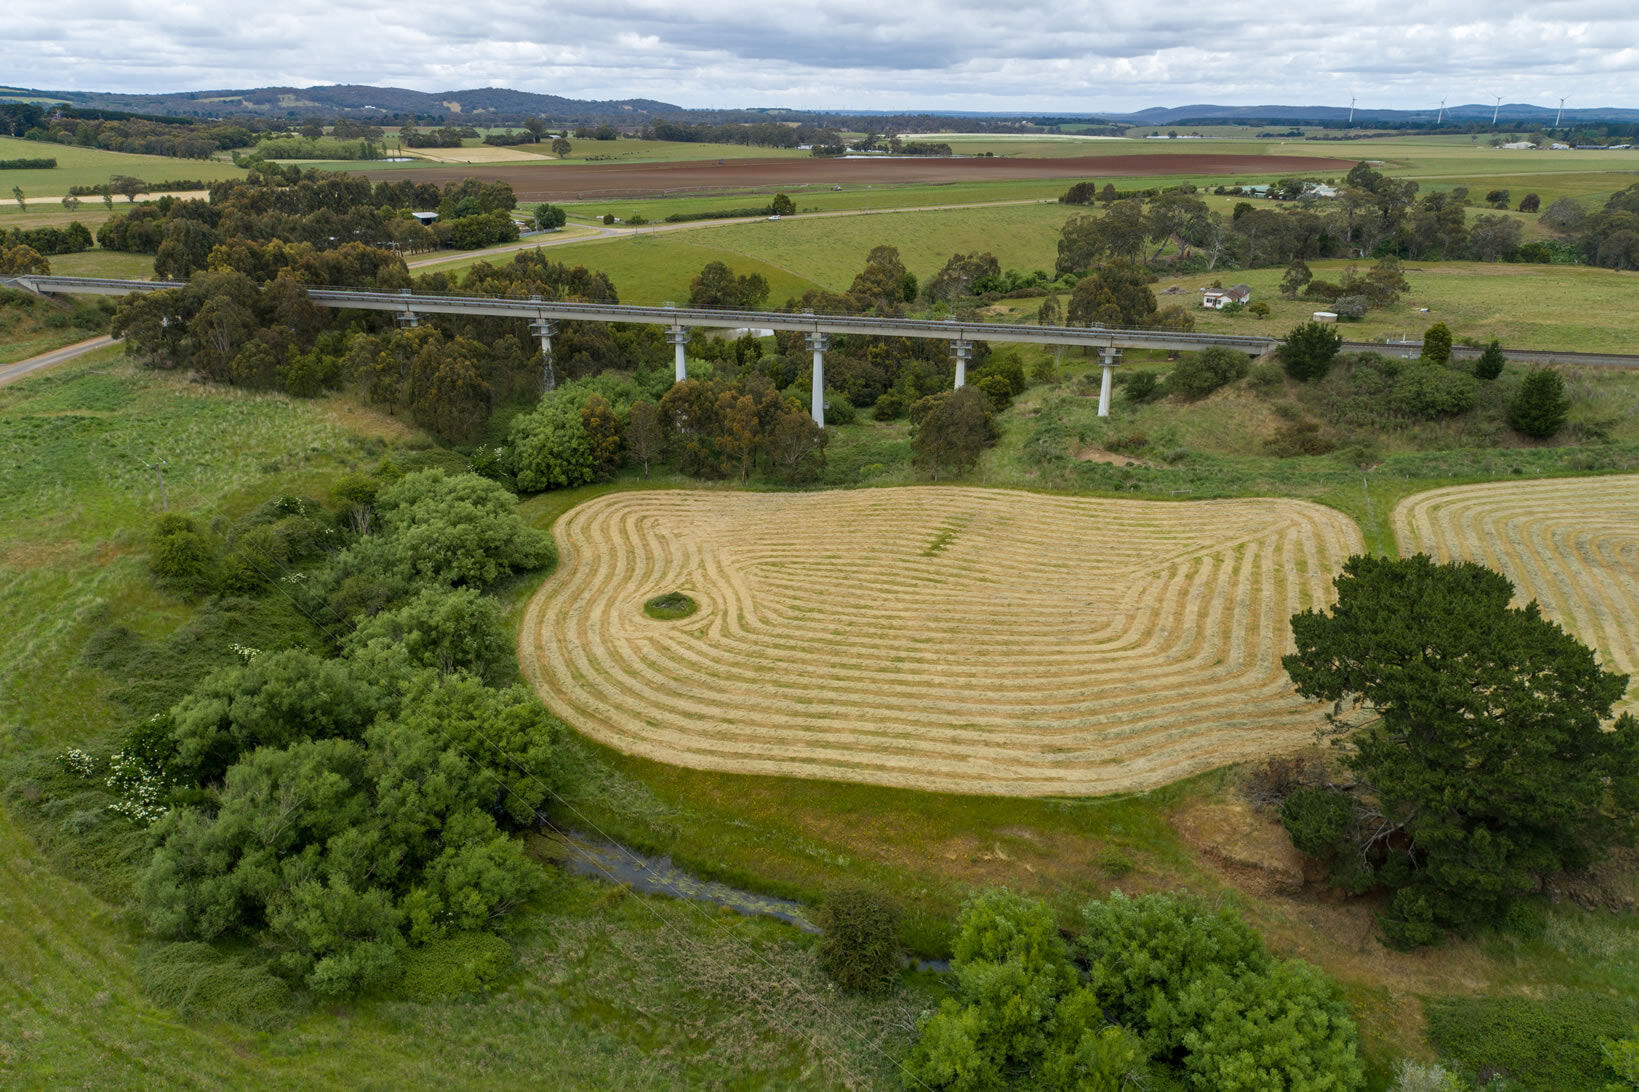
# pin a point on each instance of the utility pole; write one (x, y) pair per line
(159, 469)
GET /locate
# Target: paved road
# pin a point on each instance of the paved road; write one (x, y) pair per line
(10, 372)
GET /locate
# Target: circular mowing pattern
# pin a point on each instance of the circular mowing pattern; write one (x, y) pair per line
(963, 640)
(1572, 544)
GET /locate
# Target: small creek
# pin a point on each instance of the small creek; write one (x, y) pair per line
(611, 862)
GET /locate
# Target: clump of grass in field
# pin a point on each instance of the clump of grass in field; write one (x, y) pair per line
(671, 606)
(1545, 1044)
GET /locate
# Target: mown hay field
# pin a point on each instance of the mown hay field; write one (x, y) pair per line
(1571, 544)
(966, 640)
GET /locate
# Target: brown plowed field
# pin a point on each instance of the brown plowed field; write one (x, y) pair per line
(569, 182)
(1572, 544)
(962, 640)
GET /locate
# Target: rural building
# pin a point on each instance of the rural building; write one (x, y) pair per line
(1219, 298)
(1325, 316)
(1519, 145)
(426, 218)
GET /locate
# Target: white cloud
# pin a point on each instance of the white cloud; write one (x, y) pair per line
(958, 54)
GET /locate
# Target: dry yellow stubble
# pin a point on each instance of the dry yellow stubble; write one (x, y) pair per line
(962, 640)
(1571, 544)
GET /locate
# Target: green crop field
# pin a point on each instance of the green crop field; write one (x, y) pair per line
(92, 167)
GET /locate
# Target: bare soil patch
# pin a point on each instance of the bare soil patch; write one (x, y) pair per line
(960, 640)
(1571, 544)
(590, 181)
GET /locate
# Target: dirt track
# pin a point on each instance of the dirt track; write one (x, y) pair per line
(569, 182)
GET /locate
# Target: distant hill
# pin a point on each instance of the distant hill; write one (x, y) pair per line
(1512, 113)
(356, 100)
(500, 105)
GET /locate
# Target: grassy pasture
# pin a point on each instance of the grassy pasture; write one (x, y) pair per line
(1523, 306)
(651, 269)
(93, 166)
(654, 267)
(606, 990)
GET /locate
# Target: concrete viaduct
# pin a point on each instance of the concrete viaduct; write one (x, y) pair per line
(544, 315)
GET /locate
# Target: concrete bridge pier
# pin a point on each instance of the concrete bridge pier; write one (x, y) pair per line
(964, 353)
(407, 320)
(544, 329)
(678, 336)
(818, 343)
(1111, 359)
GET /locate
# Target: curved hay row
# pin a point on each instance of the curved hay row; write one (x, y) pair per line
(964, 640)
(1572, 544)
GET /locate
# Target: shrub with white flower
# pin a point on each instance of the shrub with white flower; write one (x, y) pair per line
(78, 762)
(141, 789)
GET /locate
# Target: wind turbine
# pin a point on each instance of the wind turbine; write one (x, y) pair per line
(1439, 120)
(1494, 110)
(1561, 112)
(1351, 111)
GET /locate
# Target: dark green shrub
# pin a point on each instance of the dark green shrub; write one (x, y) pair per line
(1140, 387)
(181, 556)
(1437, 343)
(859, 940)
(1490, 362)
(1350, 308)
(891, 405)
(998, 390)
(1427, 391)
(1308, 350)
(1199, 374)
(1320, 821)
(1200, 987)
(1539, 409)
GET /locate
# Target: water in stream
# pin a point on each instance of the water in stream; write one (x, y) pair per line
(585, 856)
(614, 863)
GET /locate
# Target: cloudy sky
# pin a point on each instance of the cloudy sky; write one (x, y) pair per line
(861, 54)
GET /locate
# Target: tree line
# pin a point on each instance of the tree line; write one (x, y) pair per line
(1373, 215)
(115, 132)
(324, 210)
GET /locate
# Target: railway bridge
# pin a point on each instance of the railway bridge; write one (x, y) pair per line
(543, 315)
